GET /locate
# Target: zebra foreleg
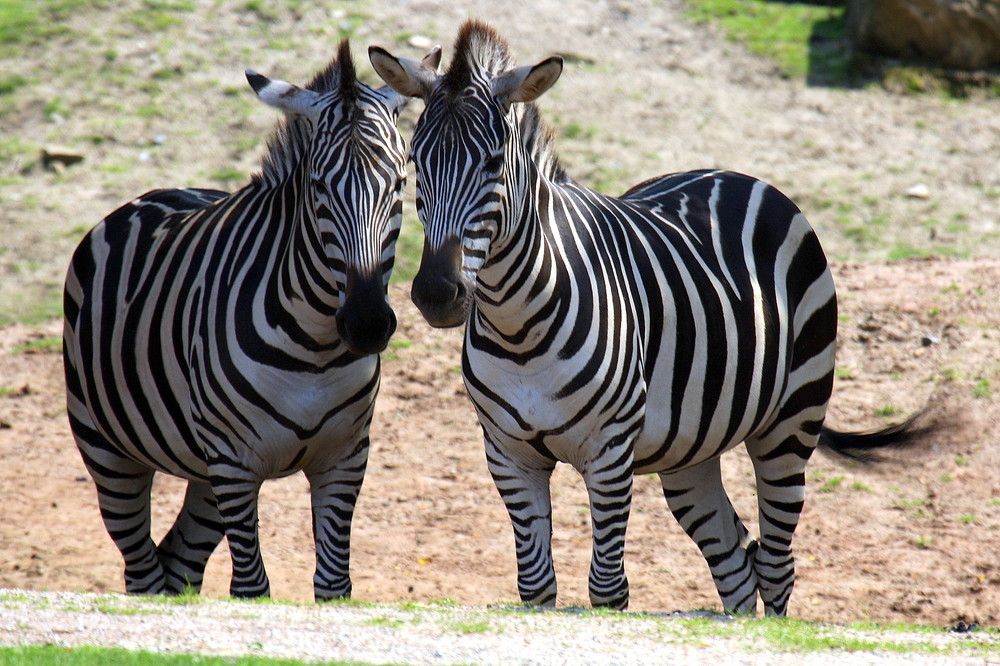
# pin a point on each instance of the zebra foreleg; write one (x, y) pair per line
(524, 489)
(237, 501)
(779, 465)
(609, 485)
(334, 496)
(699, 502)
(185, 549)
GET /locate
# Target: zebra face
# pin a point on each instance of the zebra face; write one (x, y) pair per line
(461, 191)
(470, 169)
(357, 174)
(351, 187)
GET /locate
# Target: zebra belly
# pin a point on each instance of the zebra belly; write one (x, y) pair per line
(300, 422)
(526, 415)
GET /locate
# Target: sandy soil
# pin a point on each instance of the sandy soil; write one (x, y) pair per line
(914, 540)
(911, 540)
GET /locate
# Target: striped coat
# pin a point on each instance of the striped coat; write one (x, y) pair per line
(232, 338)
(646, 333)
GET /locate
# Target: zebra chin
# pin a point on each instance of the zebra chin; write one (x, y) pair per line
(443, 303)
(448, 316)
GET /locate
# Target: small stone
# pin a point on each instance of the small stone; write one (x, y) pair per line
(919, 191)
(927, 340)
(420, 42)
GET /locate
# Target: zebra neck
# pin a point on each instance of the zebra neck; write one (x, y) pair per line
(523, 284)
(299, 293)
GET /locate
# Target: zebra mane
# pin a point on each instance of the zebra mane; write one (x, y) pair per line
(539, 140)
(290, 139)
(477, 47)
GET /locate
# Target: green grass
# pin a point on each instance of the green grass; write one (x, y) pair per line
(802, 38)
(51, 345)
(31, 308)
(409, 246)
(51, 655)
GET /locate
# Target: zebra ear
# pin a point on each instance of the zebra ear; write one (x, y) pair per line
(283, 95)
(407, 77)
(526, 84)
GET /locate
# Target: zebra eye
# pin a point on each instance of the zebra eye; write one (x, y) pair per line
(319, 186)
(493, 164)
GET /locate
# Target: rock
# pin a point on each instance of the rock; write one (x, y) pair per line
(919, 191)
(57, 158)
(955, 33)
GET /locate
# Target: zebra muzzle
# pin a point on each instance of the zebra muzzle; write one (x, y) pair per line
(365, 321)
(438, 290)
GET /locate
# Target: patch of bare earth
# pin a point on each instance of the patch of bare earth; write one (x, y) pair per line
(910, 540)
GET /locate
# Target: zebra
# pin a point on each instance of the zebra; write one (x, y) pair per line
(232, 338)
(646, 333)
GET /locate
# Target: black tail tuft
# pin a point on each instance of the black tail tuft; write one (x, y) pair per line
(865, 446)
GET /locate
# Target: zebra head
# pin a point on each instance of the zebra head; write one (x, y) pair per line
(353, 167)
(469, 167)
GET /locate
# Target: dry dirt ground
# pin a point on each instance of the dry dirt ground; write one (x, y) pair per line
(913, 540)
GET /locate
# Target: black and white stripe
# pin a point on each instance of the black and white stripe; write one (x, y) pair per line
(233, 338)
(647, 333)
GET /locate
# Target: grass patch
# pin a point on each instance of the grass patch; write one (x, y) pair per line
(31, 308)
(409, 247)
(803, 39)
(52, 655)
(51, 345)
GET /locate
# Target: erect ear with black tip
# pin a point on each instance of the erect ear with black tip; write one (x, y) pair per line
(407, 77)
(283, 95)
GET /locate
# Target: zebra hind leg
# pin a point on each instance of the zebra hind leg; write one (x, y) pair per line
(700, 504)
(779, 461)
(524, 489)
(237, 493)
(185, 550)
(334, 496)
(123, 495)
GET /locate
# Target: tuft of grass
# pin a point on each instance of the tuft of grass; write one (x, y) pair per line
(831, 484)
(471, 627)
(50, 345)
(227, 174)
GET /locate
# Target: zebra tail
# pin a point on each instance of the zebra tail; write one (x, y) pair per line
(865, 446)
